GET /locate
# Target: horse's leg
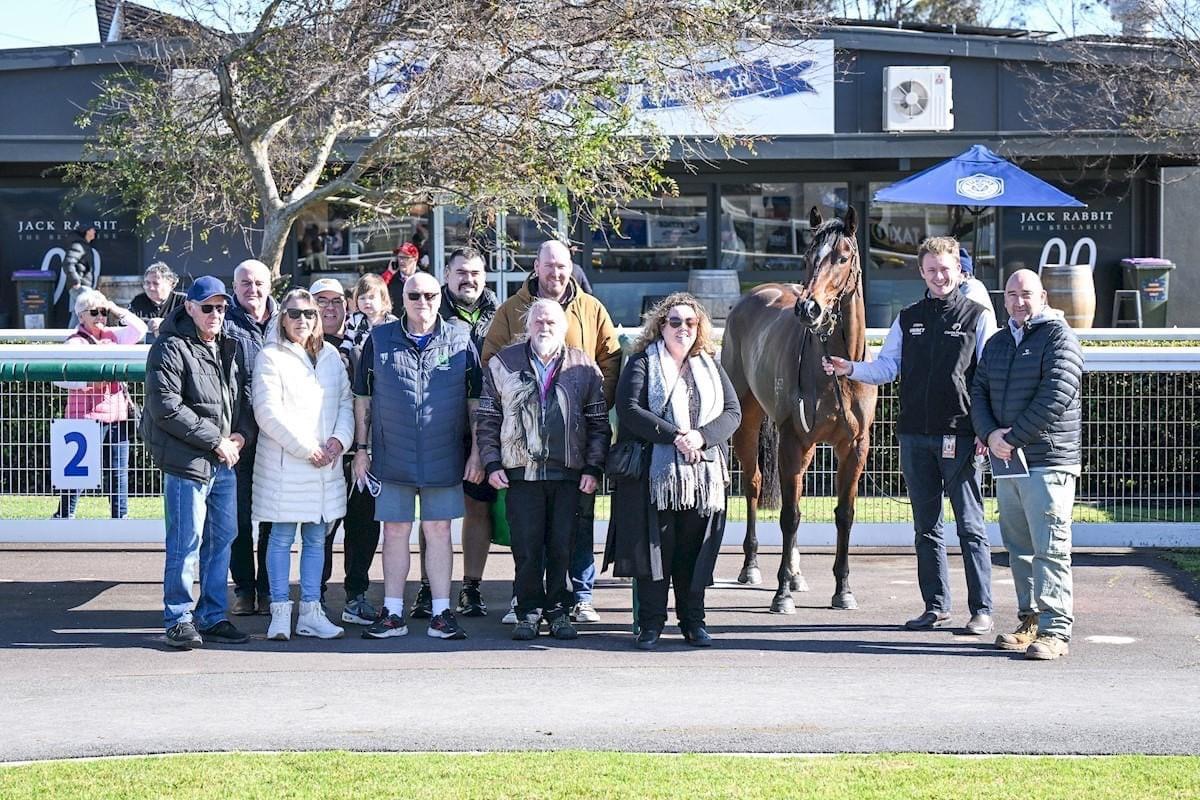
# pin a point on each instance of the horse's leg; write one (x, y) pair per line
(852, 459)
(797, 583)
(793, 462)
(745, 446)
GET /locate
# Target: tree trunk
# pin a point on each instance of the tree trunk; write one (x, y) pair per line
(275, 236)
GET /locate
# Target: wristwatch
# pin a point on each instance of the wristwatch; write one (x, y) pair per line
(358, 446)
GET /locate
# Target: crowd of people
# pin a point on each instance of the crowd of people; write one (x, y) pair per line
(408, 400)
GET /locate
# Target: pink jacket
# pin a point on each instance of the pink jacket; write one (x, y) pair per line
(108, 401)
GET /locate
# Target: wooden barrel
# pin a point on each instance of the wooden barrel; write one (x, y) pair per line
(120, 289)
(716, 289)
(1070, 289)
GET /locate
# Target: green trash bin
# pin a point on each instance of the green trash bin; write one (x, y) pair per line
(1151, 278)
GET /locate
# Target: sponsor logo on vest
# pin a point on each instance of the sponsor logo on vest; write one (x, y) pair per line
(979, 187)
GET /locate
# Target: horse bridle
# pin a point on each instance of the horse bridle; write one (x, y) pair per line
(849, 286)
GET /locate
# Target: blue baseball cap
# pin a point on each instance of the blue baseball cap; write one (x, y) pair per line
(968, 266)
(207, 286)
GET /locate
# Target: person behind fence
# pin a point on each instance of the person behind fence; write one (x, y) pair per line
(158, 299)
(305, 422)
(676, 410)
(416, 393)
(933, 346)
(590, 329)
(79, 267)
(106, 402)
(197, 422)
(249, 318)
(1025, 403)
(543, 435)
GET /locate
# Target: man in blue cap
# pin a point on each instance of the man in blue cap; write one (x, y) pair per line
(197, 422)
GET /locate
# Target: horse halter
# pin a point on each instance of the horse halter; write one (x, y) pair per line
(833, 315)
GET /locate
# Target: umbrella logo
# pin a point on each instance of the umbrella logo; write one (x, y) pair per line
(979, 187)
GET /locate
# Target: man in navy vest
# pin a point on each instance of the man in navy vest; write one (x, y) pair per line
(933, 346)
(416, 390)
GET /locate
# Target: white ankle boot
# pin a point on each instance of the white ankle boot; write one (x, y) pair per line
(313, 622)
(281, 621)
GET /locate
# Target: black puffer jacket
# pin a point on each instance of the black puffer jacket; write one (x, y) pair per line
(184, 384)
(1034, 388)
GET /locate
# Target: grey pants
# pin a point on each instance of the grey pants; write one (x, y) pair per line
(1035, 522)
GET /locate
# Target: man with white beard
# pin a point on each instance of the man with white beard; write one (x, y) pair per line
(543, 434)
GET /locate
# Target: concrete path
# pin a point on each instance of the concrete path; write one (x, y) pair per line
(83, 671)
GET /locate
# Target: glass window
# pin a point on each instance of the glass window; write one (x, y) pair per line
(668, 233)
(764, 226)
(897, 230)
(328, 239)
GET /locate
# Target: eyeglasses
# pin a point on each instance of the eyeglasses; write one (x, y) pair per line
(676, 322)
(210, 308)
(307, 313)
(429, 297)
(326, 302)
(95, 312)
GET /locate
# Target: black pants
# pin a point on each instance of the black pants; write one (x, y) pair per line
(360, 539)
(246, 579)
(541, 521)
(682, 533)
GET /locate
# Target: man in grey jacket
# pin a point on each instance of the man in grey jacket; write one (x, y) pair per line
(1025, 403)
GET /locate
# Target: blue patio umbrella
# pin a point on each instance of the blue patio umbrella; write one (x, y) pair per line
(976, 179)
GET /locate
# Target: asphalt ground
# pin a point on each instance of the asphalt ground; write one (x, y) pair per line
(84, 671)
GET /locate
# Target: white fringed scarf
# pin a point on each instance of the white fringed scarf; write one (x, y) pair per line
(674, 483)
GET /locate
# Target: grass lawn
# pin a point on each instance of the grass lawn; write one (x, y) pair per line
(560, 775)
(812, 509)
(1187, 559)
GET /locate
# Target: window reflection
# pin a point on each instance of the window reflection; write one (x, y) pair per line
(668, 233)
(764, 226)
(897, 230)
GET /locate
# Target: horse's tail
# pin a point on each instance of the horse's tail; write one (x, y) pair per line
(768, 464)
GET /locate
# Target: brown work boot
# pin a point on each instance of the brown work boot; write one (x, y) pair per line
(1047, 647)
(1021, 638)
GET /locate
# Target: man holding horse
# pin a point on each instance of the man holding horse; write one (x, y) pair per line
(934, 346)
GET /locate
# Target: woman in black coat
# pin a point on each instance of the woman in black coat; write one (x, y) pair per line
(667, 524)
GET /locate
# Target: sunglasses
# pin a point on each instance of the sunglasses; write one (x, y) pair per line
(209, 308)
(95, 312)
(676, 322)
(307, 313)
(417, 296)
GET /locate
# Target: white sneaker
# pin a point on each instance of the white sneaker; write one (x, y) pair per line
(281, 621)
(511, 617)
(584, 612)
(313, 622)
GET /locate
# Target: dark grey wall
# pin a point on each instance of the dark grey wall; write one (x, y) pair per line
(1181, 243)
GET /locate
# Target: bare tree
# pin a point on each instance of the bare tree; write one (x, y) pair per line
(259, 109)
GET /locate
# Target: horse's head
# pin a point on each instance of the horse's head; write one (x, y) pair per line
(833, 270)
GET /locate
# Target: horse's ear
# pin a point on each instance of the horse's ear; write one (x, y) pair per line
(851, 221)
(814, 218)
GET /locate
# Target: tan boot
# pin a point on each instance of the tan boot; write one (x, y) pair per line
(1047, 647)
(1022, 637)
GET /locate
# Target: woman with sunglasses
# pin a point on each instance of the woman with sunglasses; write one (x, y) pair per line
(302, 405)
(667, 523)
(107, 402)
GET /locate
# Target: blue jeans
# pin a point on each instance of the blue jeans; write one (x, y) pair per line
(312, 559)
(201, 521)
(929, 476)
(116, 473)
(1035, 521)
(582, 566)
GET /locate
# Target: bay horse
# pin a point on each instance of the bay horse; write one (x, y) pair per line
(775, 339)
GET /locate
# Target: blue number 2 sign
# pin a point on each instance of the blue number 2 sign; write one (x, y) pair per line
(75, 454)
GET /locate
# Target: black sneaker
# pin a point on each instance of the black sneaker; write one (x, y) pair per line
(184, 636)
(423, 605)
(386, 626)
(470, 601)
(224, 633)
(445, 626)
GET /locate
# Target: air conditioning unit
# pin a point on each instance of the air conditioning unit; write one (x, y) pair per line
(917, 99)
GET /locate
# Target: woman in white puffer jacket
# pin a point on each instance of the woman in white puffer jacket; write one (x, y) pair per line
(305, 420)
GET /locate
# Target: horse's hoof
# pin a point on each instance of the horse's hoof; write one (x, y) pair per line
(845, 601)
(750, 575)
(798, 584)
(783, 605)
